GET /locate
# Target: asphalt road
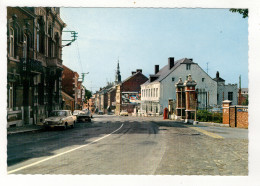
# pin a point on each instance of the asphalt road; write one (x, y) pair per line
(130, 145)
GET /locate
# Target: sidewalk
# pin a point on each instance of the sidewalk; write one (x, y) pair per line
(23, 129)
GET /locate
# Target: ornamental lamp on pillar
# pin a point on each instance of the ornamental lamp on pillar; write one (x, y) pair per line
(180, 99)
(191, 98)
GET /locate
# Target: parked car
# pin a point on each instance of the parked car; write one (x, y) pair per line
(84, 115)
(60, 118)
(100, 113)
(123, 113)
(76, 113)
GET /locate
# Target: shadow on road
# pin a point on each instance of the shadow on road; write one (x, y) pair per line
(22, 147)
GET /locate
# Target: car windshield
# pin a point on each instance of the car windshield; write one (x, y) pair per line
(76, 111)
(58, 113)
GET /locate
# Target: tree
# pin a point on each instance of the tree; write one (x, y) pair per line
(88, 94)
(244, 12)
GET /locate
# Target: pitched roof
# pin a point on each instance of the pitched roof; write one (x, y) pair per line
(219, 79)
(165, 71)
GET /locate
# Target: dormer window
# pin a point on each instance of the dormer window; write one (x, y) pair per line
(202, 79)
(188, 66)
(173, 79)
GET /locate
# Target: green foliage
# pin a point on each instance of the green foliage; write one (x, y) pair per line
(206, 116)
(88, 94)
(244, 12)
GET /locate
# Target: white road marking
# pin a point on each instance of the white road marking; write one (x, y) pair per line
(57, 155)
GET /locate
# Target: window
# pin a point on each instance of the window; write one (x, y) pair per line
(173, 79)
(188, 66)
(230, 96)
(10, 95)
(25, 47)
(156, 92)
(202, 79)
(38, 37)
(57, 46)
(11, 47)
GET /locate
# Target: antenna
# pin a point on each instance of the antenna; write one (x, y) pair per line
(207, 68)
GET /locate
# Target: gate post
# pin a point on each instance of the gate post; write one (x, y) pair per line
(226, 115)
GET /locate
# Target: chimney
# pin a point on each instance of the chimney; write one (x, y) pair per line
(138, 70)
(170, 62)
(133, 72)
(191, 59)
(217, 74)
(156, 69)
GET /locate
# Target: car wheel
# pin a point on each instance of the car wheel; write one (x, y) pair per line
(72, 126)
(89, 120)
(65, 126)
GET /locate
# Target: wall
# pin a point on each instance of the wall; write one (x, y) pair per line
(168, 90)
(133, 83)
(225, 89)
(235, 116)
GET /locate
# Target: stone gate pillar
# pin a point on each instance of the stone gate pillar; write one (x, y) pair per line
(191, 98)
(180, 99)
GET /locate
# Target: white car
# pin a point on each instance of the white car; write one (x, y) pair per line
(60, 118)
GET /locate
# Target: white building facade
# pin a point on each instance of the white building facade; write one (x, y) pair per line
(160, 88)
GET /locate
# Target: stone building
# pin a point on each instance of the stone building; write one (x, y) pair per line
(34, 63)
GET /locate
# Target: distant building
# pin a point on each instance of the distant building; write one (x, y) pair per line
(118, 75)
(242, 94)
(101, 98)
(68, 102)
(91, 104)
(225, 92)
(72, 86)
(160, 88)
(128, 92)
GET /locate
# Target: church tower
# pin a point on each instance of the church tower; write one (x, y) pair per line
(118, 76)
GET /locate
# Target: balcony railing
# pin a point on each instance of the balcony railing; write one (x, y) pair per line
(54, 62)
(31, 65)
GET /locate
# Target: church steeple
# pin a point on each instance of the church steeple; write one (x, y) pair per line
(118, 76)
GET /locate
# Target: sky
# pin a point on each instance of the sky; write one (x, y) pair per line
(140, 38)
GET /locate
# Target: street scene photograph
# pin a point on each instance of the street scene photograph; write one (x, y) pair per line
(127, 91)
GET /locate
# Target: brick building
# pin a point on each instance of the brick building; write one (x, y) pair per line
(72, 86)
(34, 63)
(128, 92)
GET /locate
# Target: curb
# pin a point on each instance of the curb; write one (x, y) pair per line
(24, 131)
(212, 124)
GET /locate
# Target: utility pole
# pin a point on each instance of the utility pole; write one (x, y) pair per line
(83, 76)
(74, 36)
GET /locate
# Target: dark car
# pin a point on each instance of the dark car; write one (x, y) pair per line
(84, 115)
